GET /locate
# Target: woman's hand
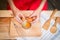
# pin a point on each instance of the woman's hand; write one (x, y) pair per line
(19, 17)
(35, 17)
(16, 12)
(38, 11)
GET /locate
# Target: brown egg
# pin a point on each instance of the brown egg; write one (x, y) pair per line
(29, 19)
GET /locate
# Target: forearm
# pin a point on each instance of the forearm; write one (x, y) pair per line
(39, 9)
(12, 6)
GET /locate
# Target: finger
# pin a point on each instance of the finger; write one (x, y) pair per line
(36, 19)
(33, 14)
(18, 19)
(21, 16)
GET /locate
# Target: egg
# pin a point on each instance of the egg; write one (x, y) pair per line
(29, 19)
(26, 24)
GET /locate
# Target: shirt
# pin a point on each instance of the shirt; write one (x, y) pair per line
(28, 4)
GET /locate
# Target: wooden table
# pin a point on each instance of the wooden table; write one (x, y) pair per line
(5, 23)
(12, 30)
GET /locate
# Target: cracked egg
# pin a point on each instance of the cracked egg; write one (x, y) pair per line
(26, 24)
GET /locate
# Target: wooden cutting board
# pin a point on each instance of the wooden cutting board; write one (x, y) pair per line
(16, 29)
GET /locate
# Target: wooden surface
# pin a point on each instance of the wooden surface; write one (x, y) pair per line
(5, 13)
(8, 13)
(15, 31)
(5, 17)
(35, 29)
(4, 28)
